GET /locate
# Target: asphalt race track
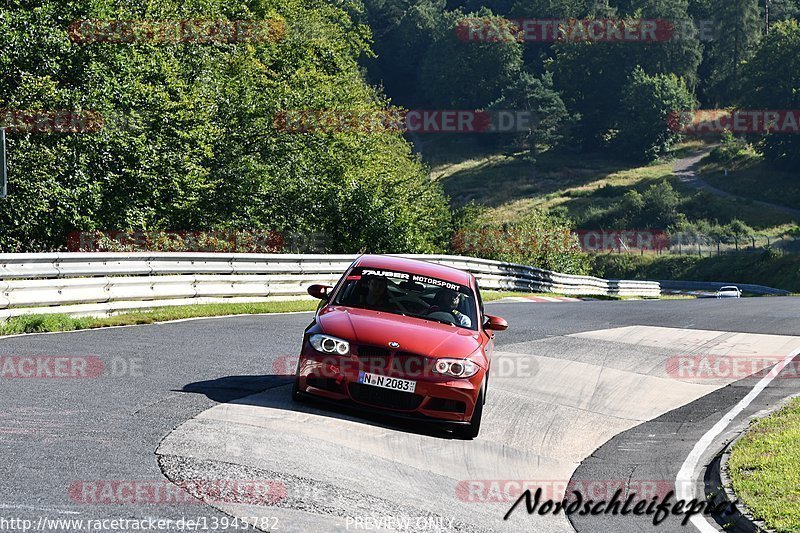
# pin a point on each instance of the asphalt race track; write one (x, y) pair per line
(593, 394)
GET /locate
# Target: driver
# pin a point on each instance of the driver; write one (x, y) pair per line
(377, 295)
(447, 300)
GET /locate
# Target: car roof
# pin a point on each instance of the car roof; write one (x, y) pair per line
(729, 287)
(414, 266)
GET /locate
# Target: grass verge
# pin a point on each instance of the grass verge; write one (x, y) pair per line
(34, 323)
(60, 322)
(765, 469)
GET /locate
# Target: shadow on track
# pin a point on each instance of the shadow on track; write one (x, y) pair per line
(246, 390)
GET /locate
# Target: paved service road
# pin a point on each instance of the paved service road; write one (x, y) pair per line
(211, 399)
(688, 172)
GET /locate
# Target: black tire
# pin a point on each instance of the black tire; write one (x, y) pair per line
(296, 396)
(471, 431)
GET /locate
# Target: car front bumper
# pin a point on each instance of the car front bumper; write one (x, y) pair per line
(336, 378)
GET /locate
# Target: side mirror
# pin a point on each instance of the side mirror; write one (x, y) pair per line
(495, 323)
(320, 291)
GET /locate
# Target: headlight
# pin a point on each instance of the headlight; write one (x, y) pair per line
(328, 344)
(457, 368)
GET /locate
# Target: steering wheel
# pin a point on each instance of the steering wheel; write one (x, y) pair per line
(442, 315)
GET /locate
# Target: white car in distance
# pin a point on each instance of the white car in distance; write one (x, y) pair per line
(730, 291)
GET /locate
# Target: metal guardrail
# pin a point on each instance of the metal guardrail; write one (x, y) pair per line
(99, 283)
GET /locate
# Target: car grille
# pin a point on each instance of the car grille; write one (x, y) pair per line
(410, 365)
(373, 358)
(380, 397)
(377, 359)
(373, 351)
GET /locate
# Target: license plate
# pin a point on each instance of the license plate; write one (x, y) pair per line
(385, 382)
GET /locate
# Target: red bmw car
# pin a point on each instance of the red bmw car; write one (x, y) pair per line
(404, 337)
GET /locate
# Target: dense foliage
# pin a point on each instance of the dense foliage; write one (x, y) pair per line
(190, 137)
(189, 140)
(772, 81)
(617, 95)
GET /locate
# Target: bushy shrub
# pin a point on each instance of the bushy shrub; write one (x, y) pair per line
(647, 102)
(538, 239)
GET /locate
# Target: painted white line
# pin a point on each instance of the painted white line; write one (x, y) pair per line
(684, 483)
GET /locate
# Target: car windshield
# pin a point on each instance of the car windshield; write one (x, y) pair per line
(409, 294)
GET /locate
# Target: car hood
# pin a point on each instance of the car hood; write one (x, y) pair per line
(415, 335)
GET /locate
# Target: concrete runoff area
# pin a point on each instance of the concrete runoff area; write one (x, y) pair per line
(343, 471)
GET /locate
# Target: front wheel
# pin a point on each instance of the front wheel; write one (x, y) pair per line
(471, 431)
(296, 396)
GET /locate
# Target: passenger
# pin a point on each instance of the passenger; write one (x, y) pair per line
(447, 300)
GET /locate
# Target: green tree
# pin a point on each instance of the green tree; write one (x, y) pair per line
(647, 102)
(467, 74)
(661, 203)
(537, 96)
(200, 147)
(770, 81)
(591, 76)
(701, 9)
(780, 10)
(657, 207)
(739, 231)
(401, 47)
(738, 24)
